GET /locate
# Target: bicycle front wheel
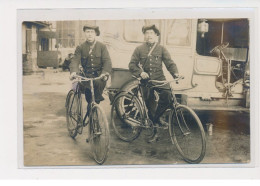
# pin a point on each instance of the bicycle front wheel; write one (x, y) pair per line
(99, 135)
(126, 116)
(73, 113)
(187, 134)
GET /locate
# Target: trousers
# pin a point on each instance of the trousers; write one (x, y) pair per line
(164, 101)
(99, 86)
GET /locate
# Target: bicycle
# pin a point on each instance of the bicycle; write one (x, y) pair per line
(129, 116)
(99, 130)
(227, 70)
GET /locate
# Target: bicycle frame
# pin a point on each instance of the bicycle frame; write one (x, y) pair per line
(95, 114)
(142, 101)
(223, 58)
(182, 119)
(93, 102)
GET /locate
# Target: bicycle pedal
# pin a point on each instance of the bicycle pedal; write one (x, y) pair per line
(148, 123)
(98, 133)
(153, 140)
(186, 133)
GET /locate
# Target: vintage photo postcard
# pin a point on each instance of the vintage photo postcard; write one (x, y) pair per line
(148, 88)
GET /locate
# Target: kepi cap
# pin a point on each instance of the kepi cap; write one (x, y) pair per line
(151, 27)
(96, 28)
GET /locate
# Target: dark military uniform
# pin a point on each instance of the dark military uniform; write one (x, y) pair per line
(94, 63)
(153, 66)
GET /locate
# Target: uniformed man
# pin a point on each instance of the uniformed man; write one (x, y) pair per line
(146, 62)
(93, 56)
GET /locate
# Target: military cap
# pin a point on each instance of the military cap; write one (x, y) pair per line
(151, 27)
(96, 28)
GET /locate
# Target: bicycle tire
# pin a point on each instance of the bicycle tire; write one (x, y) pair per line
(73, 113)
(187, 133)
(99, 134)
(126, 128)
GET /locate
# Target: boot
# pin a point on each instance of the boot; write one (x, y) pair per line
(162, 123)
(99, 99)
(158, 121)
(154, 139)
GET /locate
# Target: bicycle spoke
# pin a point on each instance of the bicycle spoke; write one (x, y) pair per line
(72, 116)
(136, 112)
(73, 113)
(129, 105)
(126, 117)
(99, 135)
(132, 109)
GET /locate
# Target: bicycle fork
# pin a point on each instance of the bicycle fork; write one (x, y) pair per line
(181, 120)
(175, 104)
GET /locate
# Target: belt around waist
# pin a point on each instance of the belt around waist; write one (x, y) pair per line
(90, 71)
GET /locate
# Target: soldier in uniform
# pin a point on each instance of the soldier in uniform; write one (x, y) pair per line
(150, 67)
(93, 56)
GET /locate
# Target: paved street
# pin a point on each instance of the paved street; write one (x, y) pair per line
(47, 143)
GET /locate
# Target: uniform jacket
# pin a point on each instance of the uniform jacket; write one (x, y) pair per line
(152, 64)
(95, 63)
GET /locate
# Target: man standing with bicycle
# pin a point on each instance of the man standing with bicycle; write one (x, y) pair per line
(93, 56)
(146, 62)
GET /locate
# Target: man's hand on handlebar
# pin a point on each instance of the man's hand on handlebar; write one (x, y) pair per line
(104, 77)
(176, 76)
(144, 75)
(72, 75)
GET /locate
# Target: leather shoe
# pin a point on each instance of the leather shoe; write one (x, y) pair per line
(162, 123)
(99, 99)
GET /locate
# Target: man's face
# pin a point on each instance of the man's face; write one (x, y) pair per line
(150, 36)
(90, 35)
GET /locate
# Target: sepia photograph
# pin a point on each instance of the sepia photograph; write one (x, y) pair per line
(135, 92)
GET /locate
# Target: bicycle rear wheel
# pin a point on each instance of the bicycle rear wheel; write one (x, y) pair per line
(126, 116)
(73, 113)
(99, 135)
(187, 134)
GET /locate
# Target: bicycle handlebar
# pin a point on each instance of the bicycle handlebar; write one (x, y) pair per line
(220, 47)
(162, 83)
(81, 78)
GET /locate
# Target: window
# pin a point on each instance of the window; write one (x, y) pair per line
(179, 32)
(70, 33)
(235, 32)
